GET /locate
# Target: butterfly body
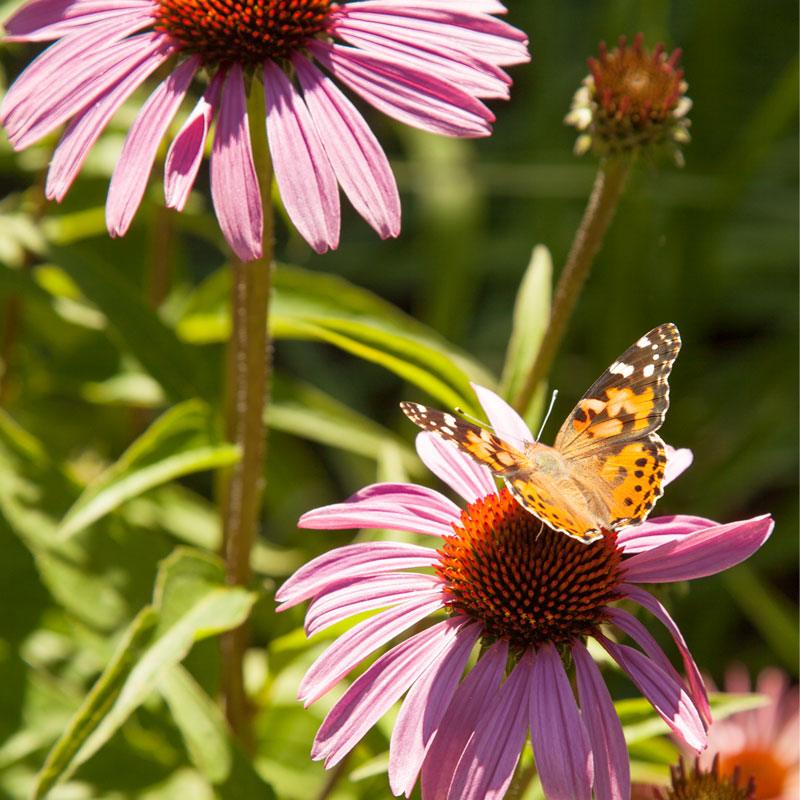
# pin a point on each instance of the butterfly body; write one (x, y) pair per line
(606, 467)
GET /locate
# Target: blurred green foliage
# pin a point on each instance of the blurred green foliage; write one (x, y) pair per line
(103, 337)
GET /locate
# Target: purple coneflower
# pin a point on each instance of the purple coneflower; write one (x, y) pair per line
(427, 63)
(531, 597)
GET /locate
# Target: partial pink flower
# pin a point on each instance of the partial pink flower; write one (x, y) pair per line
(530, 597)
(427, 63)
(763, 743)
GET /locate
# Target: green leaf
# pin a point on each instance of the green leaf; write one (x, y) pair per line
(531, 318)
(208, 741)
(190, 603)
(177, 367)
(303, 410)
(315, 306)
(180, 442)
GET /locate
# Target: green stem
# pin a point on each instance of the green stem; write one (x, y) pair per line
(606, 193)
(523, 776)
(248, 372)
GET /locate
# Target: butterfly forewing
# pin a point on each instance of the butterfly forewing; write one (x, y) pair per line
(628, 401)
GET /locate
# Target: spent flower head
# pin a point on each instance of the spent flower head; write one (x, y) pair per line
(633, 100)
(427, 63)
(700, 783)
(530, 597)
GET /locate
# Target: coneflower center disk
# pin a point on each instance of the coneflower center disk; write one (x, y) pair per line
(247, 32)
(523, 581)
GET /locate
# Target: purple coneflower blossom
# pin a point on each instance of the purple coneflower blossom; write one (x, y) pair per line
(427, 63)
(530, 597)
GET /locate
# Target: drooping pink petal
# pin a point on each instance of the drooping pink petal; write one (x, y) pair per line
(507, 423)
(352, 647)
(422, 711)
(666, 695)
(234, 184)
(402, 507)
(479, 78)
(39, 76)
(660, 530)
(491, 755)
(302, 169)
(355, 154)
(51, 103)
(477, 34)
(45, 20)
(678, 461)
(638, 632)
(129, 180)
(471, 703)
(366, 594)
(185, 154)
(84, 130)
(696, 683)
(699, 554)
(558, 734)
(404, 93)
(612, 773)
(353, 561)
(374, 692)
(458, 471)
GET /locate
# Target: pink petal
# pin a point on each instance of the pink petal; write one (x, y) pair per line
(45, 20)
(703, 553)
(666, 695)
(56, 98)
(84, 130)
(660, 530)
(477, 77)
(471, 703)
(423, 710)
(352, 647)
(505, 421)
(612, 774)
(696, 684)
(47, 72)
(132, 171)
(559, 737)
(491, 755)
(302, 169)
(354, 561)
(374, 692)
(357, 158)
(678, 461)
(476, 34)
(234, 184)
(405, 93)
(458, 471)
(185, 154)
(411, 496)
(402, 507)
(366, 594)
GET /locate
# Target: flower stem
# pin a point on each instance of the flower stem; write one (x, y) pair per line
(606, 193)
(248, 372)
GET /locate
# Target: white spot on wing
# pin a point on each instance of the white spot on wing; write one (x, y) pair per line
(644, 342)
(649, 370)
(449, 420)
(618, 368)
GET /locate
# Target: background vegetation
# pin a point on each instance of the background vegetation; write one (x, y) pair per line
(100, 339)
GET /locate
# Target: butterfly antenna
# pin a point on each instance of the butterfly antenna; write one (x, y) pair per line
(483, 424)
(547, 415)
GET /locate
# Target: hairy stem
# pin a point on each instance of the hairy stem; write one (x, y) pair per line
(606, 193)
(248, 372)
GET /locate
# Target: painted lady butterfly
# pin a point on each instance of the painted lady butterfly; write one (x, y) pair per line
(607, 464)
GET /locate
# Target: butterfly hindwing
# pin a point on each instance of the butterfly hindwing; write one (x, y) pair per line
(628, 401)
